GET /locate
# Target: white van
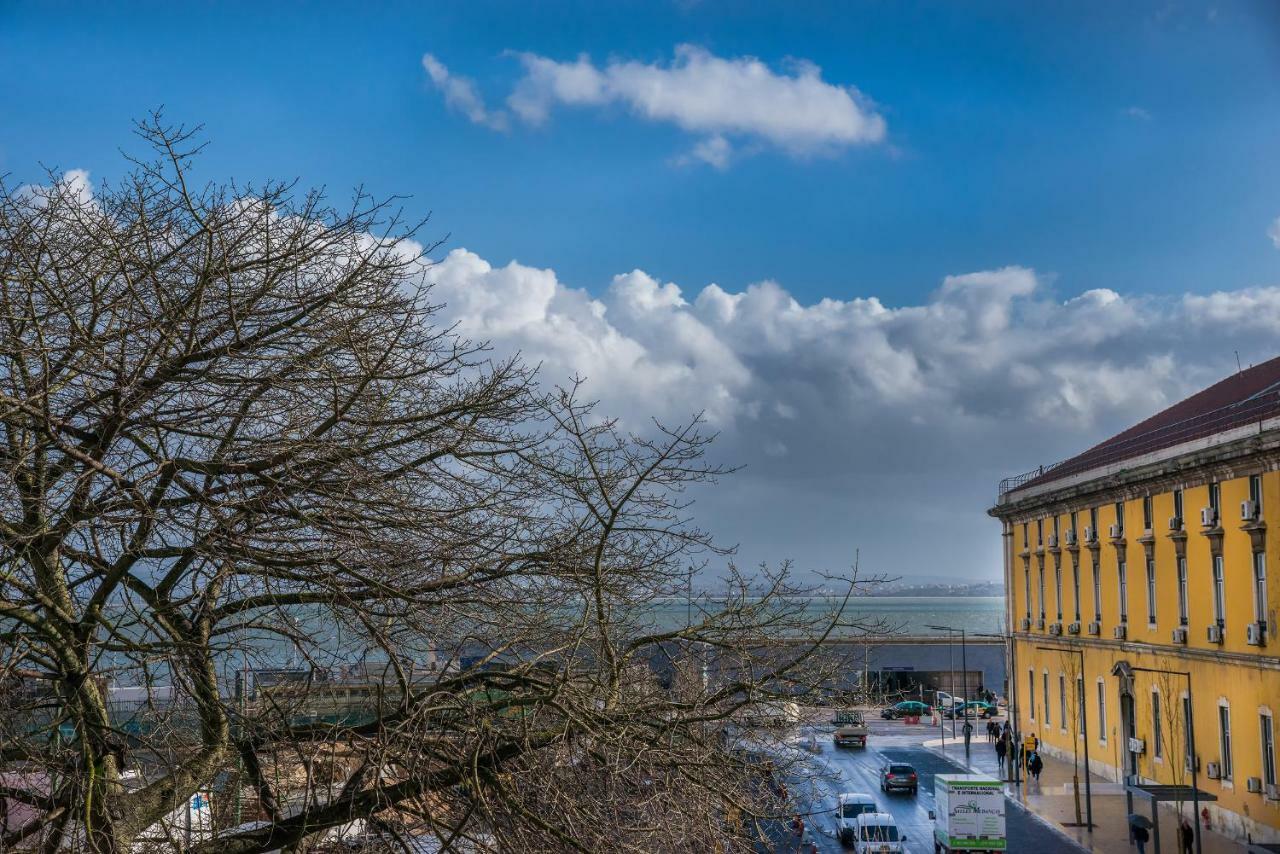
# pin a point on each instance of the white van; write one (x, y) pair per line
(878, 834)
(849, 806)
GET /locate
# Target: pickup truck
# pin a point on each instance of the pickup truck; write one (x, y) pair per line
(851, 729)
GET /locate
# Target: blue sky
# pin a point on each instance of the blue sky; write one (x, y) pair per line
(1123, 149)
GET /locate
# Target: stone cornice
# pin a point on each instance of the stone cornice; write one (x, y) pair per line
(1259, 661)
(1228, 460)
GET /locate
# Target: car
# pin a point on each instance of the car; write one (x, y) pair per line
(849, 806)
(907, 708)
(898, 776)
(877, 833)
(975, 709)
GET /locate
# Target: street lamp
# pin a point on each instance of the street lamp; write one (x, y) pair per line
(964, 674)
(1084, 726)
(1191, 737)
(1013, 698)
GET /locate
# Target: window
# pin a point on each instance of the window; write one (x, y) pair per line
(1255, 493)
(1177, 505)
(1026, 585)
(1046, 698)
(1219, 601)
(1102, 711)
(1093, 520)
(1031, 693)
(1224, 739)
(1074, 530)
(1215, 499)
(1097, 591)
(1062, 701)
(1182, 590)
(1041, 580)
(1260, 587)
(1188, 754)
(1057, 584)
(1055, 530)
(1151, 591)
(1075, 583)
(1122, 575)
(1026, 536)
(1080, 704)
(1268, 742)
(1146, 513)
(1157, 738)
(1120, 517)
(1039, 532)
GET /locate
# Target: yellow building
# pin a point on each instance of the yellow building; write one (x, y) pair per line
(1137, 571)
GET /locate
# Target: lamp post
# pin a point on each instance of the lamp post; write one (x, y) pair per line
(964, 673)
(1013, 700)
(1191, 738)
(1084, 726)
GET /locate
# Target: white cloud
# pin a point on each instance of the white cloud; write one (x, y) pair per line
(843, 409)
(1274, 232)
(714, 97)
(460, 94)
(1136, 112)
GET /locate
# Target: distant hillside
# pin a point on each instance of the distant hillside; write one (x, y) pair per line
(983, 588)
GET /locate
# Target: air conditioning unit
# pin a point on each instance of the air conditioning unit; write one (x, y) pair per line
(1254, 784)
(1040, 625)
(1090, 535)
(1095, 628)
(1053, 541)
(1180, 635)
(1248, 511)
(1119, 632)
(1071, 536)
(1055, 628)
(1213, 770)
(1137, 745)
(1025, 624)
(1175, 523)
(1208, 517)
(1255, 634)
(1272, 792)
(1073, 628)
(1215, 634)
(1115, 531)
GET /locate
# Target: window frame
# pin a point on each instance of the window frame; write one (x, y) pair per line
(1151, 591)
(1122, 580)
(1225, 762)
(1219, 581)
(1267, 745)
(1184, 606)
(1157, 728)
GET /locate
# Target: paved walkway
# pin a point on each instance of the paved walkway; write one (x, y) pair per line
(1052, 799)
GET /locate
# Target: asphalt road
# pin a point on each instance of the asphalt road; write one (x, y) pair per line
(854, 770)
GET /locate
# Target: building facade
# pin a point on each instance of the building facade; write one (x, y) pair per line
(1139, 605)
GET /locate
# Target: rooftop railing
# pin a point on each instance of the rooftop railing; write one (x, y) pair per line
(1242, 413)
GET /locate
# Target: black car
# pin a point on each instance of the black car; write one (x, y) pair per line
(900, 777)
(907, 708)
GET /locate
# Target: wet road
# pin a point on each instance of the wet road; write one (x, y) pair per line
(854, 770)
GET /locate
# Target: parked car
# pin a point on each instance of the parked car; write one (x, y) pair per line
(849, 806)
(905, 709)
(975, 708)
(878, 834)
(898, 776)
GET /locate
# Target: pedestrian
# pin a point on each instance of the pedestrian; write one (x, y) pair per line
(1000, 749)
(1035, 765)
(1140, 836)
(1186, 837)
(967, 729)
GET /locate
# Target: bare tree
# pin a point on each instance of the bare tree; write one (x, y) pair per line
(271, 534)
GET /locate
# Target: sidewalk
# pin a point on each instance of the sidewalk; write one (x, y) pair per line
(1052, 800)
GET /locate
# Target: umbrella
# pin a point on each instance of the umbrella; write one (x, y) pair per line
(1136, 820)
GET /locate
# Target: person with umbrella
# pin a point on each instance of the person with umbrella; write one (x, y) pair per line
(1138, 831)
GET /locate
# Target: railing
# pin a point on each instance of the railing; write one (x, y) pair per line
(1252, 410)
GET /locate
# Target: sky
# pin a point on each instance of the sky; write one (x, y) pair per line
(893, 251)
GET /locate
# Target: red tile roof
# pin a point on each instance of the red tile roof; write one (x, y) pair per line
(1242, 398)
